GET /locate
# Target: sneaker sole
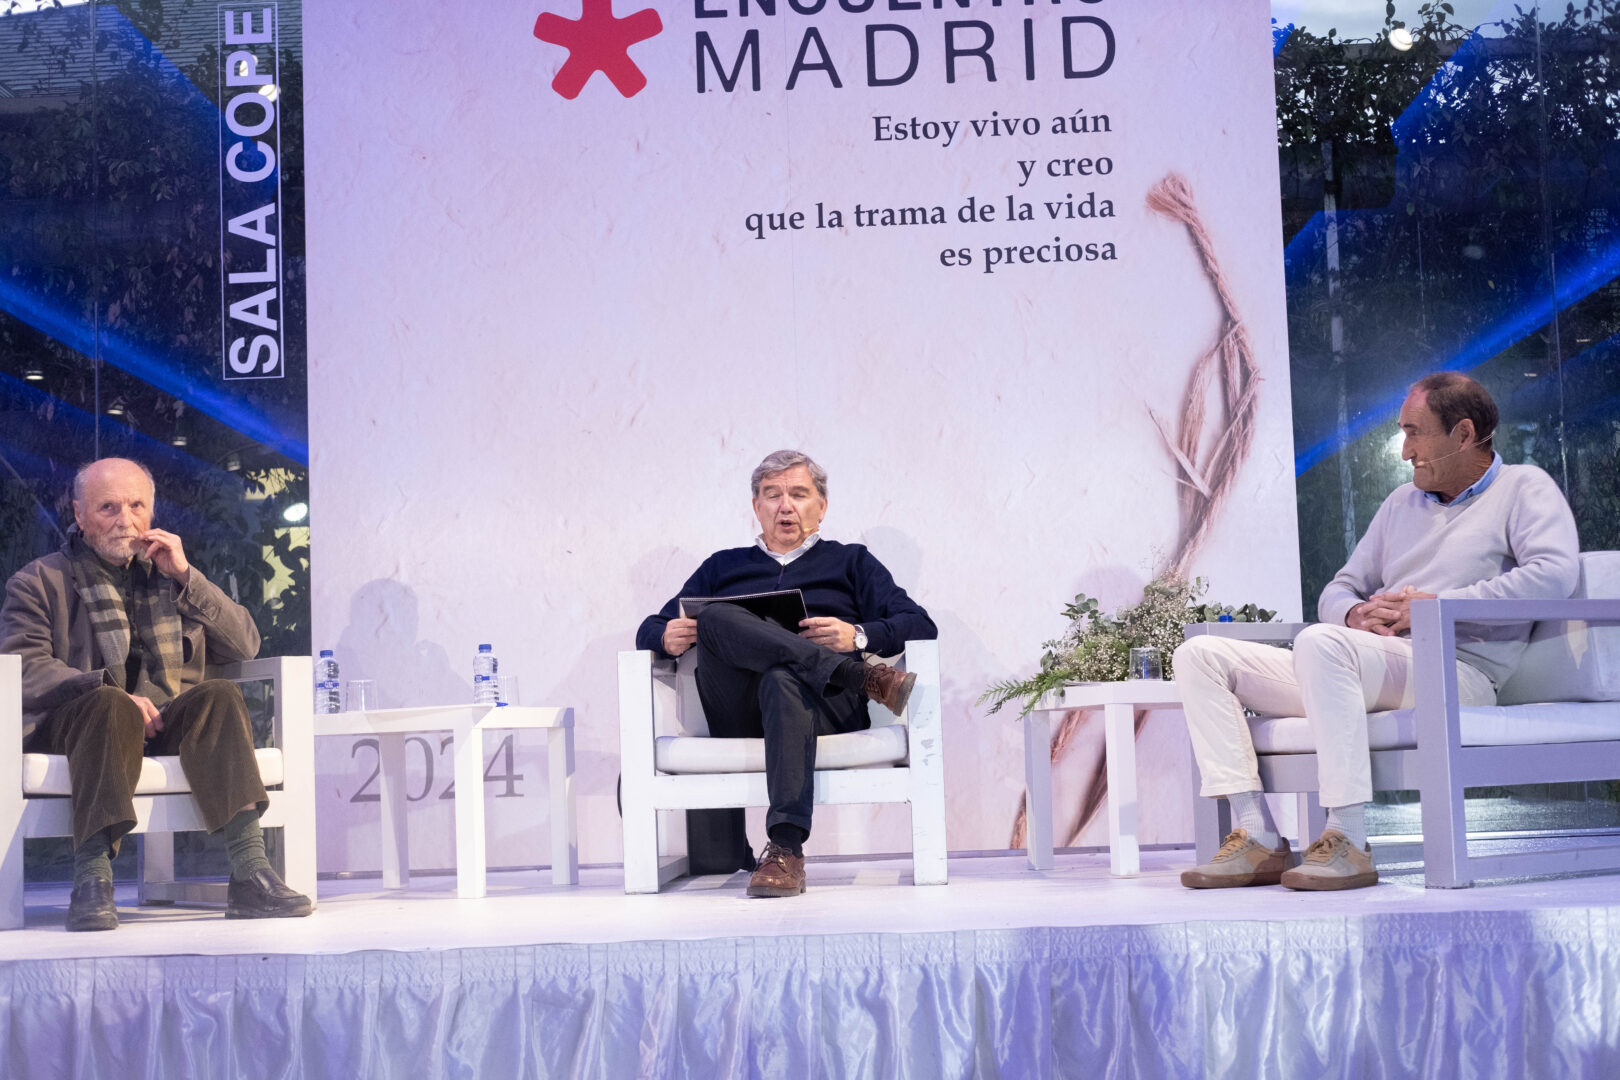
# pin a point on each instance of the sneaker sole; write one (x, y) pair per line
(1194, 880)
(1314, 883)
(86, 925)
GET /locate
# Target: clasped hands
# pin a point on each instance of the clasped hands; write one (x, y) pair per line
(835, 634)
(1386, 613)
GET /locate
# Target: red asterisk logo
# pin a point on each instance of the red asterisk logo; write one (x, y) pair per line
(596, 41)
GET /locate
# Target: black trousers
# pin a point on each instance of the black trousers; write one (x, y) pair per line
(758, 680)
(103, 736)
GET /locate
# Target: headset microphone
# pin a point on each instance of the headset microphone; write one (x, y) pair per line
(1442, 457)
(1454, 453)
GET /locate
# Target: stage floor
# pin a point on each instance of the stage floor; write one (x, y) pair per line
(991, 892)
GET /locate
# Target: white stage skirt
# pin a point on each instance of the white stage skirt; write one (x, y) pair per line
(1531, 993)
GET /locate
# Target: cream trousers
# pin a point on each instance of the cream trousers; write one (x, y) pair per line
(1333, 677)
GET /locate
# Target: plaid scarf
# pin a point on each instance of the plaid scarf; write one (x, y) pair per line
(156, 618)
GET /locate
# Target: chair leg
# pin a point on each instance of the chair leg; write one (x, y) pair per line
(1312, 817)
(636, 761)
(11, 796)
(640, 846)
(154, 859)
(926, 765)
(1445, 838)
(1212, 819)
(11, 856)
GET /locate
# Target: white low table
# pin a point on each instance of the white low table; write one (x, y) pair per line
(466, 724)
(1119, 702)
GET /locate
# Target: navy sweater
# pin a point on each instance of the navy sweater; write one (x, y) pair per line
(842, 580)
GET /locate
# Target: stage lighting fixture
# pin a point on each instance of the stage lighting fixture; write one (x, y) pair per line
(116, 408)
(179, 439)
(34, 373)
(295, 513)
(1400, 38)
(232, 462)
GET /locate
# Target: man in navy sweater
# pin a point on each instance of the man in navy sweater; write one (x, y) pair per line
(759, 680)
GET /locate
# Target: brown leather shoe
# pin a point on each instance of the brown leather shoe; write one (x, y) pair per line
(264, 896)
(889, 687)
(780, 873)
(91, 905)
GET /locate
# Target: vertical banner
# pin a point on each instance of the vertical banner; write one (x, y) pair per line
(1011, 272)
(250, 191)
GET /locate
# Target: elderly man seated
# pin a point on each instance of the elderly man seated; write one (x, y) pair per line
(115, 631)
(757, 679)
(1467, 526)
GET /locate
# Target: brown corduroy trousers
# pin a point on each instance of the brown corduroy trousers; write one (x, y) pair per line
(103, 735)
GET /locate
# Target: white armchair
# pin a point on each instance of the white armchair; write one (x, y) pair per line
(34, 801)
(1557, 719)
(669, 763)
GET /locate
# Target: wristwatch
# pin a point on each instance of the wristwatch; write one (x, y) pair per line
(860, 638)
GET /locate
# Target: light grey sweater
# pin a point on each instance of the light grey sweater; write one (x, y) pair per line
(1514, 540)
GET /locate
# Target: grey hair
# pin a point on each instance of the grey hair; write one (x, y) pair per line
(780, 461)
(78, 477)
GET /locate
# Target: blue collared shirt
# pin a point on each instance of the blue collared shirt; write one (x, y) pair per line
(1477, 487)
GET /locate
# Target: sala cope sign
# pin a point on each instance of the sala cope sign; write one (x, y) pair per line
(250, 193)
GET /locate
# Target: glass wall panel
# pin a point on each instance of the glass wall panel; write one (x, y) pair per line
(112, 306)
(1450, 201)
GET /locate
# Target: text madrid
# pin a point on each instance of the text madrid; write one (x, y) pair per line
(892, 51)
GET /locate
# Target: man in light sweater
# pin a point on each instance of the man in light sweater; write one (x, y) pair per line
(1467, 526)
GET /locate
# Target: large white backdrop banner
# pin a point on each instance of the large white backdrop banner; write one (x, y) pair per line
(574, 272)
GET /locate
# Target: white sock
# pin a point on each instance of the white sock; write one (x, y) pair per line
(1249, 811)
(1350, 820)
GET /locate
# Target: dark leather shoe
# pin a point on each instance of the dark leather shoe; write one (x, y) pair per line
(780, 873)
(889, 687)
(265, 896)
(91, 906)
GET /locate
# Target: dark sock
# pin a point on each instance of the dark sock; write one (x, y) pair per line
(849, 675)
(789, 836)
(93, 859)
(244, 842)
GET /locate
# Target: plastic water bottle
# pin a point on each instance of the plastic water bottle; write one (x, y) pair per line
(328, 698)
(485, 667)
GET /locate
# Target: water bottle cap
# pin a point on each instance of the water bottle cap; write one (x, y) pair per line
(326, 652)
(485, 648)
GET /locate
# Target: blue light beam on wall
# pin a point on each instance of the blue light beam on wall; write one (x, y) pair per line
(153, 370)
(1514, 326)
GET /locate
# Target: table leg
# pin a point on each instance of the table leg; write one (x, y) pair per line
(1119, 734)
(396, 845)
(1038, 789)
(469, 800)
(564, 826)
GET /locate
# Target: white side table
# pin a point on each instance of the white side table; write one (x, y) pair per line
(466, 724)
(1119, 702)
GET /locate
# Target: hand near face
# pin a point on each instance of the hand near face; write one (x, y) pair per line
(167, 554)
(679, 635)
(154, 719)
(835, 634)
